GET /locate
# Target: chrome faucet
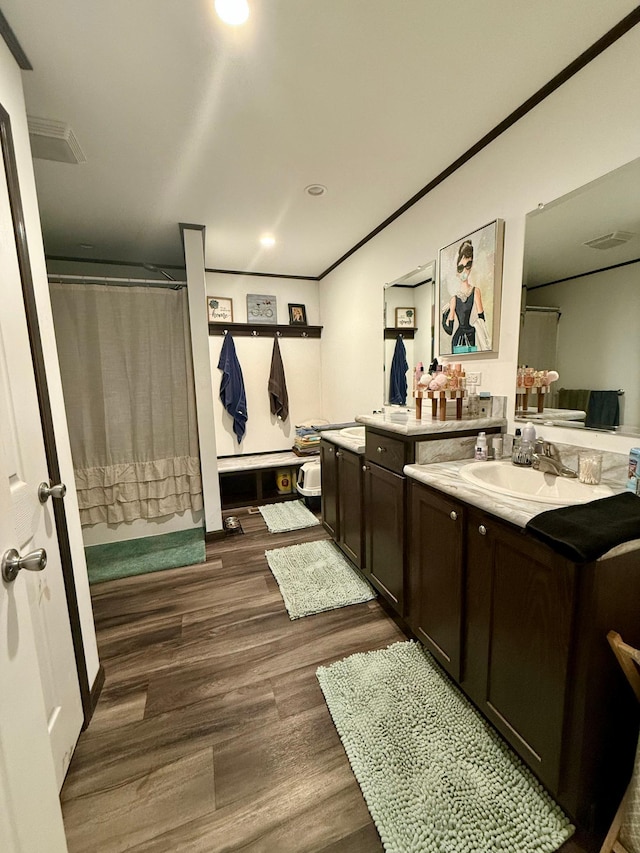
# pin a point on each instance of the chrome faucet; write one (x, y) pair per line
(546, 458)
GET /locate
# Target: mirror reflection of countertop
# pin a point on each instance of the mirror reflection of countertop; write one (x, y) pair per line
(445, 476)
(408, 425)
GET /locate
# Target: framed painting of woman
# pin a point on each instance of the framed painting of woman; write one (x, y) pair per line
(469, 291)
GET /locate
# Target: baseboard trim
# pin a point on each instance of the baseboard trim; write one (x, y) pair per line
(214, 535)
(94, 695)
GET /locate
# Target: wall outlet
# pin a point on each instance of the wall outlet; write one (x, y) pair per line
(474, 378)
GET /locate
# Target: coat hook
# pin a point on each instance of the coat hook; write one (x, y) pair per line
(254, 333)
(278, 334)
(304, 335)
(224, 331)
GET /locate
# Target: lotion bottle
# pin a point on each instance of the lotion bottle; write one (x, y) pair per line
(481, 447)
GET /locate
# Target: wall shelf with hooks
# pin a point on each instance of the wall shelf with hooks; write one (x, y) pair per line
(264, 330)
(406, 334)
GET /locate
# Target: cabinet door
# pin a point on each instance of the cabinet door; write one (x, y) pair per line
(519, 619)
(435, 574)
(384, 504)
(329, 487)
(351, 533)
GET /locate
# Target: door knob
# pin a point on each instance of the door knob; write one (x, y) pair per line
(12, 562)
(45, 491)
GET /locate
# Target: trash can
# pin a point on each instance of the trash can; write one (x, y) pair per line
(308, 484)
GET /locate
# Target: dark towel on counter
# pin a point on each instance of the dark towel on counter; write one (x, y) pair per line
(278, 397)
(399, 367)
(584, 532)
(603, 410)
(232, 392)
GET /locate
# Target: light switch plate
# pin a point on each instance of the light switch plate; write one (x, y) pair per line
(474, 378)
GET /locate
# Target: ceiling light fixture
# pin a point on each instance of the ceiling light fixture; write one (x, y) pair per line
(315, 189)
(267, 241)
(232, 12)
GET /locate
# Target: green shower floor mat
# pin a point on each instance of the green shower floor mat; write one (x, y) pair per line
(140, 556)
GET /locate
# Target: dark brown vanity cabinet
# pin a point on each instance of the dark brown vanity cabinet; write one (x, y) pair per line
(385, 488)
(523, 631)
(436, 574)
(384, 502)
(342, 497)
(519, 619)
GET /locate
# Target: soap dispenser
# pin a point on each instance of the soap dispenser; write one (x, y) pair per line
(523, 449)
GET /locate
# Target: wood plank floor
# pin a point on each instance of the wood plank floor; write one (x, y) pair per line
(212, 733)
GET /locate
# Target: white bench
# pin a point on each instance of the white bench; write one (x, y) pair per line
(251, 478)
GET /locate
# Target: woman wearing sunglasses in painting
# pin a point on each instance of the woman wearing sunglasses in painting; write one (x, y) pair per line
(462, 305)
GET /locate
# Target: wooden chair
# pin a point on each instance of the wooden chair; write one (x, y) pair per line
(629, 660)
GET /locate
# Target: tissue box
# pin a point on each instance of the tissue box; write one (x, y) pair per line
(633, 481)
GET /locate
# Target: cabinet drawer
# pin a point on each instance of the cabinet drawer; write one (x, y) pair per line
(390, 453)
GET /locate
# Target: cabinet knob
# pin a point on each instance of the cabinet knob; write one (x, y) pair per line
(453, 515)
(338, 453)
(381, 449)
(482, 530)
(365, 467)
(331, 450)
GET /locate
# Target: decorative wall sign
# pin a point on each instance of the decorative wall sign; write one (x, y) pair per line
(405, 318)
(261, 308)
(469, 290)
(220, 309)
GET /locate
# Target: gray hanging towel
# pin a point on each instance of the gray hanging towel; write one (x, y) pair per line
(278, 397)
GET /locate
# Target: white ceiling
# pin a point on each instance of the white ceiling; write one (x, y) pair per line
(183, 119)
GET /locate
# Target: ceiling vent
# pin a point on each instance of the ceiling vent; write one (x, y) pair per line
(54, 140)
(610, 241)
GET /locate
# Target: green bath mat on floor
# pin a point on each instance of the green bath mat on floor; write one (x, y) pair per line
(140, 556)
(288, 515)
(435, 776)
(314, 577)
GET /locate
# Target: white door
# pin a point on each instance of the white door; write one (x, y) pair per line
(30, 814)
(33, 522)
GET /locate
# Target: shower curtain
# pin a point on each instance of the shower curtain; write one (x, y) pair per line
(127, 376)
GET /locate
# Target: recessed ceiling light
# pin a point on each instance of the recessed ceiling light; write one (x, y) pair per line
(233, 12)
(315, 189)
(267, 241)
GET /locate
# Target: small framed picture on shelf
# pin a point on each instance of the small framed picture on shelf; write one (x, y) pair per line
(297, 315)
(220, 309)
(261, 308)
(405, 318)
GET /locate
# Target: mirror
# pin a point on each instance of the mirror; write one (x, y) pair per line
(581, 304)
(408, 311)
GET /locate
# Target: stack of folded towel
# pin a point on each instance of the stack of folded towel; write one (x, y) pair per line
(307, 441)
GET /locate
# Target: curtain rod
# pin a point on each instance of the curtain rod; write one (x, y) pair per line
(56, 278)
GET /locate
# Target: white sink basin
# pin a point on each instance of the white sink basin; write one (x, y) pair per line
(507, 479)
(357, 433)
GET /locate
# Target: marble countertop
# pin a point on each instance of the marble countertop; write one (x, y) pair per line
(445, 476)
(408, 425)
(336, 437)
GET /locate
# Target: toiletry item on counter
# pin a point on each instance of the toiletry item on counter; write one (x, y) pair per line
(522, 450)
(473, 405)
(633, 478)
(590, 467)
(481, 447)
(529, 433)
(497, 446)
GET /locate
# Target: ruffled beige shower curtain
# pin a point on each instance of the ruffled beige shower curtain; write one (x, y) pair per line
(127, 376)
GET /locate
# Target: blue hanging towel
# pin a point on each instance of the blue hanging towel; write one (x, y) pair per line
(399, 367)
(232, 392)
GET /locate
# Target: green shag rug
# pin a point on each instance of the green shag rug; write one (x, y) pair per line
(287, 515)
(150, 554)
(314, 577)
(436, 777)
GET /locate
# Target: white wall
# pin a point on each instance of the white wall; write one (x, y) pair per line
(300, 356)
(12, 99)
(590, 126)
(598, 342)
